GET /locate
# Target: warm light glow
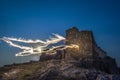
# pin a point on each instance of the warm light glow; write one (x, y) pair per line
(72, 46)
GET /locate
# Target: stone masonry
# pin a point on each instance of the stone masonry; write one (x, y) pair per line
(87, 45)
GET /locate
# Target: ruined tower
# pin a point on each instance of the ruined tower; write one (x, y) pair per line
(85, 41)
(89, 52)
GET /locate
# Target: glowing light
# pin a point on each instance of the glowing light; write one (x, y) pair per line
(15, 45)
(33, 50)
(38, 50)
(25, 41)
(72, 46)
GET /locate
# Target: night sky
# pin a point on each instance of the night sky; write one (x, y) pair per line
(38, 19)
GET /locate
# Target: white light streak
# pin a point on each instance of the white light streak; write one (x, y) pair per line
(38, 50)
(26, 50)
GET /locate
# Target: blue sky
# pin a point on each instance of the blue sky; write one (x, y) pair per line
(33, 19)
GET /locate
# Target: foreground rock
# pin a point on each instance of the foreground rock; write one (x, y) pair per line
(54, 70)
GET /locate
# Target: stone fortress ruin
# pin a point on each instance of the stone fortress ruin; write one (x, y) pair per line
(88, 53)
(87, 45)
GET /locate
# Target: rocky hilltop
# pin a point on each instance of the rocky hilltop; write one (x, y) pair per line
(87, 61)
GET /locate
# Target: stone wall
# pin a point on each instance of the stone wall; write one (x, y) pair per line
(84, 39)
(87, 45)
(98, 51)
(60, 54)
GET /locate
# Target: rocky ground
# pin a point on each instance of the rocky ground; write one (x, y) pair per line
(53, 70)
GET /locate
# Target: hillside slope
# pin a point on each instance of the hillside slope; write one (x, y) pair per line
(54, 70)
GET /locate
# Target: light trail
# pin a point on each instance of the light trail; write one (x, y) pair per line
(28, 50)
(41, 48)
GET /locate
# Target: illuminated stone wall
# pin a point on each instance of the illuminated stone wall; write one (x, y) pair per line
(83, 39)
(87, 45)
